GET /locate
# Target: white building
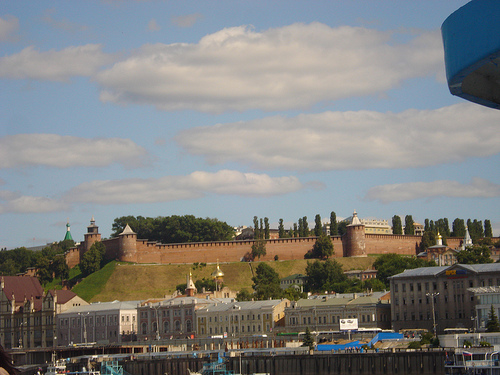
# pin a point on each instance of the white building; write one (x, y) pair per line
(101, 323)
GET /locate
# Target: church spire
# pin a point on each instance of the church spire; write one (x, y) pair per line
(68, 232)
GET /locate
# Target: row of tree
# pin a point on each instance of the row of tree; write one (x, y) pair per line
(175, 229)
(49, 261)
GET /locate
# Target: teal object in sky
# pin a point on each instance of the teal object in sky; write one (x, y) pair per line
(471, 38)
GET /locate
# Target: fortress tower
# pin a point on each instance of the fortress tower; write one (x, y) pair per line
(355, 240)
(127, 245)
(92, 236)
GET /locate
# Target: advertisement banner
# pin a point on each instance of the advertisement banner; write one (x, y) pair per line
(348, 324)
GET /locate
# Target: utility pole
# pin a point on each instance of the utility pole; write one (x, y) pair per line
(433, 295)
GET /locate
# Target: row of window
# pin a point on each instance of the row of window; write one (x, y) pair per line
(165, 313)
(457, 285)
(177, 327)
(99, 320)
(459, 314)
(456, 298)
(234, 329)
(234, 318)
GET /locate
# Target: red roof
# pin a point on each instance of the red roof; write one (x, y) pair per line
(22, 287)
(63, 296)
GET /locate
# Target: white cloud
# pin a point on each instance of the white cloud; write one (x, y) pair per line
(8, 26)
(11, 202)
(54, 65)
(288, 67)
(478, 188)
(351, 140)
(192, 186)
(153, 25)
(61, 24)
(52, 150)
(186, 20)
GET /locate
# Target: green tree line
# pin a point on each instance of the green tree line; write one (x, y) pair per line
(175, 229)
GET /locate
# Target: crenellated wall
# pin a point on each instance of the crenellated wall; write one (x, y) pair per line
(126, 247)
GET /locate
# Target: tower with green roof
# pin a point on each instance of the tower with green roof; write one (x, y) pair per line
(68, 233)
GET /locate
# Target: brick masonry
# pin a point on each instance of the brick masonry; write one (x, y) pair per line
(128, 248)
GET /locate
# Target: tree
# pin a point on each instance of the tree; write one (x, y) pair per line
(342, 228)
(256, 232)
(333, 224)
(487, 229)
(318, 226)
(492, 325)
(175, 229)
(207, 284)
(397, 227)
(259, 249)
(93, 259)
(301, 228)
(59, 267)
(266, 283)
(323, 247)
(409, 227)
(261, 229)
(43, 270)
(458, 228)
(477, 254)
(244, 295)
(323, 276)
(308, 339)
(388, 265)
(296, 230)
(281, 229)
(266, 228)
(428, 240)
(293, 294)
(305, 227)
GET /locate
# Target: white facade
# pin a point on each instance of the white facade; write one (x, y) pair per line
(101, 323)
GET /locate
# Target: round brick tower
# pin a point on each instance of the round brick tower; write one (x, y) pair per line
(127, 248)
(355, 238)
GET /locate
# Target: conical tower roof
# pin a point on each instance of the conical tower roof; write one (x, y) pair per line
(68, 233)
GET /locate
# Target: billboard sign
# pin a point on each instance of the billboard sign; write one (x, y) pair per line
(348, 324)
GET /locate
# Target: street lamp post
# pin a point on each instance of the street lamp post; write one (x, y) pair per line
(433, 295)
(84, 326)
(157, 321)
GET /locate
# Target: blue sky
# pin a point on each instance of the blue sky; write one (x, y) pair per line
(234, 109)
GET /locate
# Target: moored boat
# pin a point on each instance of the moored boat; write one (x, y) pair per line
(473, 362)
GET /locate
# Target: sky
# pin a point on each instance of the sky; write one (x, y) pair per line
(234, 109)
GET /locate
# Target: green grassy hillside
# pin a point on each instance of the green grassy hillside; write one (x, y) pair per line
(125, 281)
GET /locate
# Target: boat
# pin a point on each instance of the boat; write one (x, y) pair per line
(473, 362)
(217, 368)
(59, 367)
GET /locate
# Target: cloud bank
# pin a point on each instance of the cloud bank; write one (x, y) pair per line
(54, 65)
(57, 151)
(192, 186)
(154, 190)
(8, 26)
(350, 140)
(289, 67)
(478, 188)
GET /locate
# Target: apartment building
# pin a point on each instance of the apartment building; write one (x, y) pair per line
(435, 298)
(101, 323)
(240, 319)
(324, 312)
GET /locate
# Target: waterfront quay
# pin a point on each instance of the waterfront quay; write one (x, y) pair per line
(275, 361)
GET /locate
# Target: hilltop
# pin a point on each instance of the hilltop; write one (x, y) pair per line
(128, 281)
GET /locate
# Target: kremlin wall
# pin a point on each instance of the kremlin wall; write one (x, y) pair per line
(355, 243)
